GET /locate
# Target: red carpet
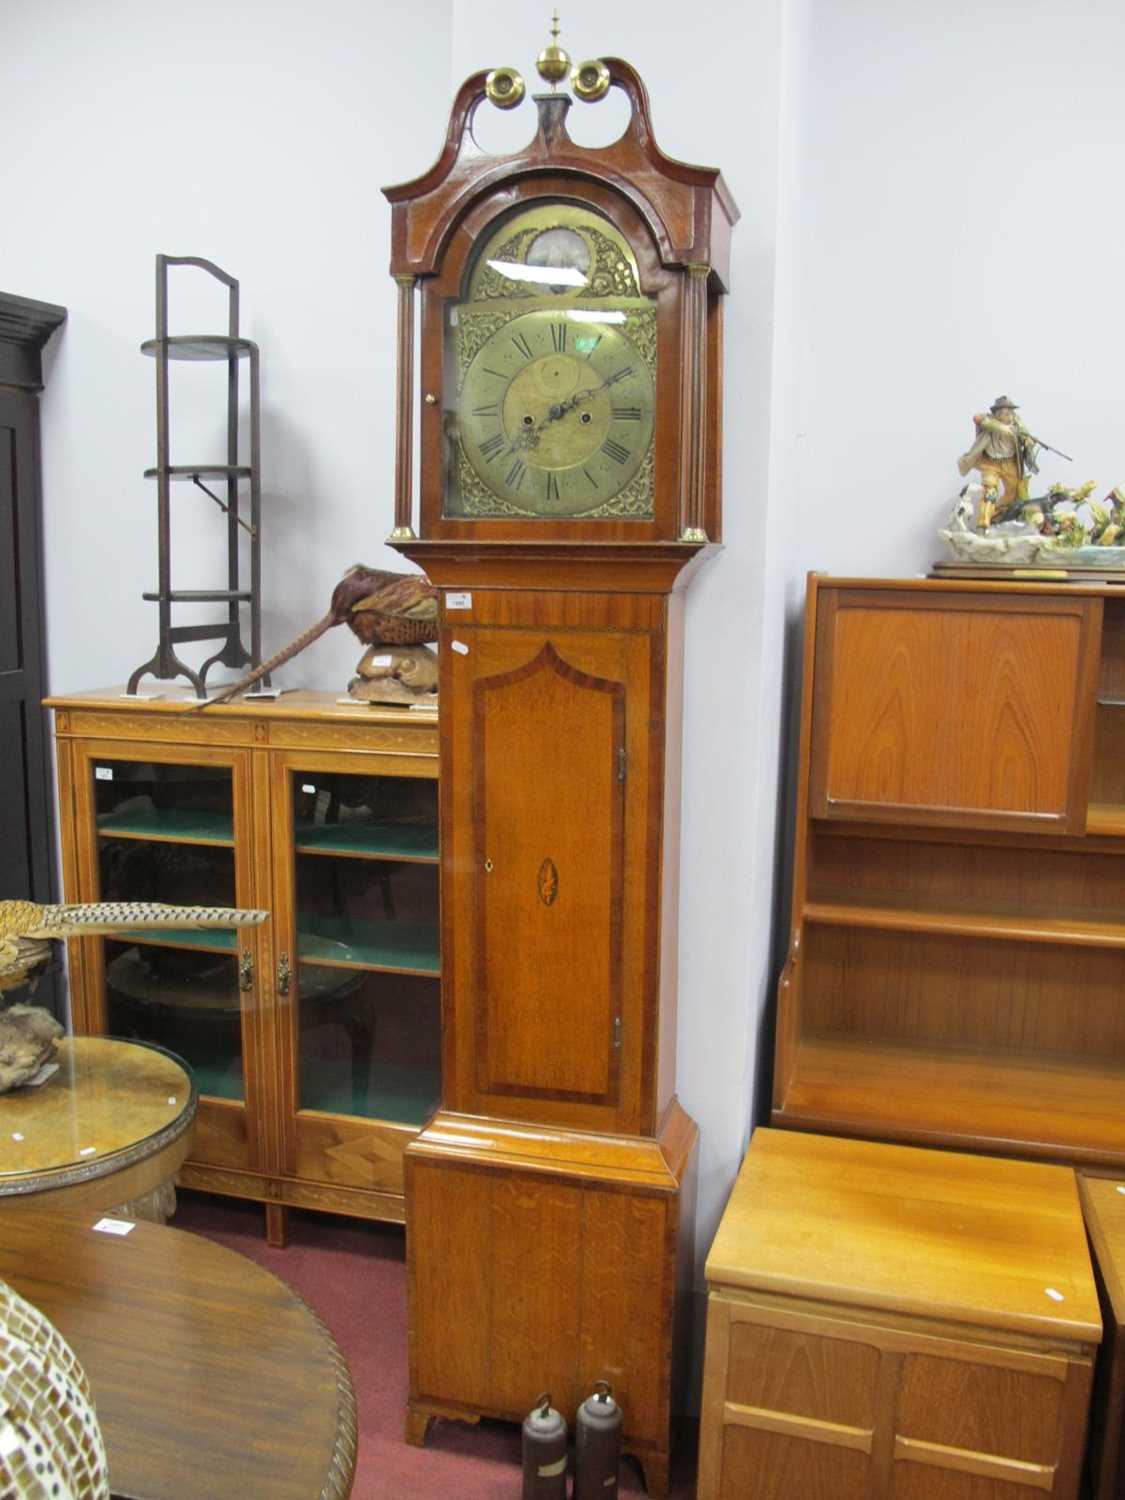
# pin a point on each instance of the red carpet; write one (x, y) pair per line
(353, 1274)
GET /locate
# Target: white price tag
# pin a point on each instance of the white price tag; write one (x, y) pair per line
(460, 648)
(114, 1226)
(458, 601)
(103, 773)
(381, 661)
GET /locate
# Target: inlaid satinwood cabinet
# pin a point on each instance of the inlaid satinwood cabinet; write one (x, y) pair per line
(957, 959)
(315, 1039)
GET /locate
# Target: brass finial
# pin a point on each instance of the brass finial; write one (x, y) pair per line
(553, 63)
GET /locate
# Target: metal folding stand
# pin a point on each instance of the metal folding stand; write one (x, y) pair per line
(232, 348)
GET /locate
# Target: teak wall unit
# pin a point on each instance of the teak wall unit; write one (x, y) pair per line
(315, 1038)
(957, 958)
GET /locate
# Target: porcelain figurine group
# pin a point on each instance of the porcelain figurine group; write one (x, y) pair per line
(997, 522)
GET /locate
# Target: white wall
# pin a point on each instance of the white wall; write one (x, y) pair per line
(960, 236)
(929, 199)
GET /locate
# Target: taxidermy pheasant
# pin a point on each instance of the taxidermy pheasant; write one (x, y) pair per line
(380, 609)
(28, 1033)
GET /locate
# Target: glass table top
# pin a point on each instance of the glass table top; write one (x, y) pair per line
(110, 1103)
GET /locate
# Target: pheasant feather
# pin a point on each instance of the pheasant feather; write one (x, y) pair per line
(27, 928)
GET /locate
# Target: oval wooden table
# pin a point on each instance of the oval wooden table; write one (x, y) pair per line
(109, 1130)
(212, 1379)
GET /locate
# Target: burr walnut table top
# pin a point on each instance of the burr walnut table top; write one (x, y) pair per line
(972, 1240)
(114, 1120)
(212, 1379)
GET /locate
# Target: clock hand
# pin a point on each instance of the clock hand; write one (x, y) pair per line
(560, 409)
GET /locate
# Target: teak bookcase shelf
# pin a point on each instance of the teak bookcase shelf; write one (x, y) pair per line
(314, 1039)
(956, 972)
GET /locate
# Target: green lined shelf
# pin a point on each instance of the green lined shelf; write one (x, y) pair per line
(205, 940)
(172, 825)
(341, 942)
(386, 840)
(406, 1096)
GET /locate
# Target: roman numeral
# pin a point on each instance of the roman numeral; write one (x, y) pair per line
(558, 337)
(590, 477)
(487, 411)
(616, 451)
(497, 373)
(522, 345)
(552, 486)
(491, 446)
(626, 414)
(514, 477)
(620, 375)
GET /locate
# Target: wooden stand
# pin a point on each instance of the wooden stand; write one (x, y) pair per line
(886, 1321)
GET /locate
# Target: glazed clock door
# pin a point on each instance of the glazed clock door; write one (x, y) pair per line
(551, 778)
(550, 374)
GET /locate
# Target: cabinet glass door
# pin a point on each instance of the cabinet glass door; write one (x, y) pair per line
(165, 832)
(368, 1027)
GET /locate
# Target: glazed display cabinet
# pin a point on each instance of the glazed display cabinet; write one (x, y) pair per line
(314, 1040)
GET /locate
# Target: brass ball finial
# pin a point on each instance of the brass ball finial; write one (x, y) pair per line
(553, 63)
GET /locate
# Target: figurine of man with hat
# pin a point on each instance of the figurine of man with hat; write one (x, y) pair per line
(1004, 452)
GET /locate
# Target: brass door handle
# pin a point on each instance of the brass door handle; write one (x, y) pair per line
(284, 974)
(245, 970)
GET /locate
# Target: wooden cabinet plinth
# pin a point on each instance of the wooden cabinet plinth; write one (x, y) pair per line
(1103, 1200)
(888, 1323)
(547, 1260)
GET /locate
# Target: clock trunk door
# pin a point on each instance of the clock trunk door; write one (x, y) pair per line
(544, 959)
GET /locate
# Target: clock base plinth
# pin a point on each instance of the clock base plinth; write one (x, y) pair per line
(545, 1259)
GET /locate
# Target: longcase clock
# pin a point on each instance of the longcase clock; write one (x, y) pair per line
(570, 446)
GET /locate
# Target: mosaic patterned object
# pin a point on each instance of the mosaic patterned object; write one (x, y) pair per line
(50, 1444)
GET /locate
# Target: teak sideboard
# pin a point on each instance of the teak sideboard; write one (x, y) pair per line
(957, 956)
(314, 1039)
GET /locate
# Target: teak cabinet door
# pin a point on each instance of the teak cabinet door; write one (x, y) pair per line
(545, 918)
(963, 708)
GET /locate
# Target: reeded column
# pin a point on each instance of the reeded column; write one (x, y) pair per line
(404, 421)
(693, 405)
